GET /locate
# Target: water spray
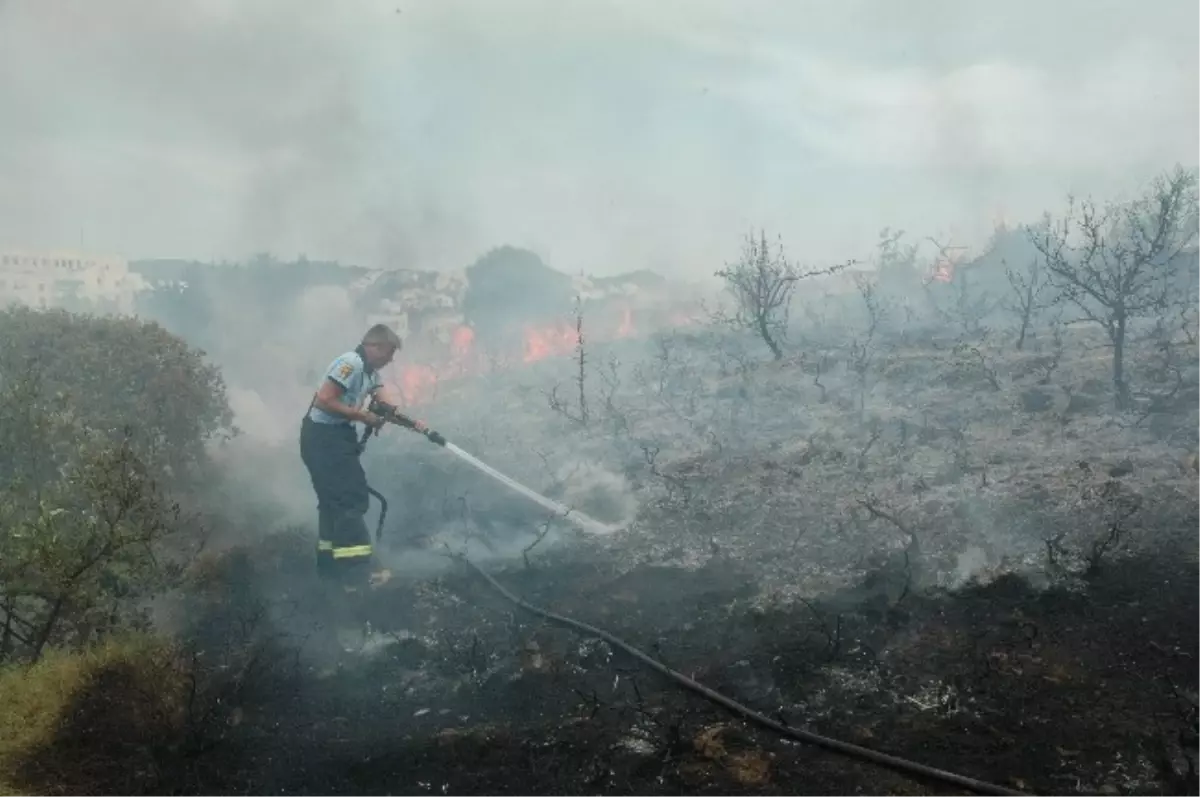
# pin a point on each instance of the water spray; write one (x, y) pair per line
(581, 521)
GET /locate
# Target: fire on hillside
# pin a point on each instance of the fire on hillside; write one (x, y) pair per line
(415, 377)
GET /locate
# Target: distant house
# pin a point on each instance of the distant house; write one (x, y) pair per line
(77, 280)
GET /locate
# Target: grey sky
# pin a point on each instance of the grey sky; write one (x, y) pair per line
(605, 135)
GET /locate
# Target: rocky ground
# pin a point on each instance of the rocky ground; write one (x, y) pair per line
(964, 558)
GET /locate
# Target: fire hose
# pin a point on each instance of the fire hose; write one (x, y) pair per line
(896, 763)
(391, 414)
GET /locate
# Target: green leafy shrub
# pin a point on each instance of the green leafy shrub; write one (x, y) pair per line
(108, 375)
(103, 429)
(77, 552)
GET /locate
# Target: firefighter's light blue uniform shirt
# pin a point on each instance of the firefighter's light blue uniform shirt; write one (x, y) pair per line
(350, 372)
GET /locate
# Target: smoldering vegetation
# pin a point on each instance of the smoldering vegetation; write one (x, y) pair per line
(942, 507)
(938, 508)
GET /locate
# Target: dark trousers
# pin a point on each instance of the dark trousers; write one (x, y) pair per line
(331, 454)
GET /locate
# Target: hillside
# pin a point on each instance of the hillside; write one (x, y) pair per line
(980, 567)
(504, 290)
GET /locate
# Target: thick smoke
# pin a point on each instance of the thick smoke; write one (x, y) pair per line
(272, 376)
(606, 137)
(203, 129)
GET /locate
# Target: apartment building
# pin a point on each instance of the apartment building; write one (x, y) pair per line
(68, 278)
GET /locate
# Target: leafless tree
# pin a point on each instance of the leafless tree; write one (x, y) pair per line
(1110, 508)
(581, 360)
(1115, 263)
(582, 413)
(672, 380)
(899, 279)
(967, 307)
(1049, 360)
(1028, 285)
(862, 347)
(822, 363)
(617, 415)
(1187, 312)
(898, 270)
(762, 284)
(971, 357)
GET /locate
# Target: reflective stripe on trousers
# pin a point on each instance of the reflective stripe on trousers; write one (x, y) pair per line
(343, 551)
(351, 551)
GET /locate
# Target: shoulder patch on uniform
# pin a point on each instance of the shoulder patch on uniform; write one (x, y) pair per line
(345, 369)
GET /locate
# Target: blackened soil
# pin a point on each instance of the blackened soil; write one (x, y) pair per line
(1079, 690)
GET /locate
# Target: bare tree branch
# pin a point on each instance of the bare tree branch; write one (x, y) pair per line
(1118, 263)
(762, 284)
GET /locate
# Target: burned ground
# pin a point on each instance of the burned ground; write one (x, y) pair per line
(926, 565)
(1057, 690)
(913, 570)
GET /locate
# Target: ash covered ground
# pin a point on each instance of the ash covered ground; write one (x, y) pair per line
(959, 554)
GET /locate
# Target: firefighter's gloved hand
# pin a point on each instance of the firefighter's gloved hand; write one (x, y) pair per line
(435, 438)
(420, 426)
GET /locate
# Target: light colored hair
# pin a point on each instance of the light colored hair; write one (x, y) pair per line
(382, 335)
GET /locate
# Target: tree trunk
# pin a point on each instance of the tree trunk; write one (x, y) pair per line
(6, 637)
(765, 332)
(1024, 328)
(1026, 315)
(1118, 364)
(39, 643)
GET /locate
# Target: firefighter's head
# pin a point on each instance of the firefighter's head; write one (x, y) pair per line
(380, 345)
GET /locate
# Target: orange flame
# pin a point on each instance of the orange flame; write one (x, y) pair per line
(461, 340)
(418, 383)
(418, 379)
(544, 342)
(626, 328)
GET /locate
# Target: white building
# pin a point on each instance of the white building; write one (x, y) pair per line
(55, 278)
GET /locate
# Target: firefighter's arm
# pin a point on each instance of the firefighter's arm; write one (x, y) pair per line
(329, 398)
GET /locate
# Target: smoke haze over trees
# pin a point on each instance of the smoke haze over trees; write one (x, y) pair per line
(421, 135)
(868, 331)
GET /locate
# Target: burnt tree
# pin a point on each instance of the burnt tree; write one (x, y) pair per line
(762, 283)
(1116, 263)
(1027, 285)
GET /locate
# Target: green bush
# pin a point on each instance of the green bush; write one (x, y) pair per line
(103, 427)
(78, 552)
(107, 375)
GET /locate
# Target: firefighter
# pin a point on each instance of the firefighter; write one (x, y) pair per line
(330, 450)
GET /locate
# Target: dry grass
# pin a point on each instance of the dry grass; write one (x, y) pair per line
(92, 721)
